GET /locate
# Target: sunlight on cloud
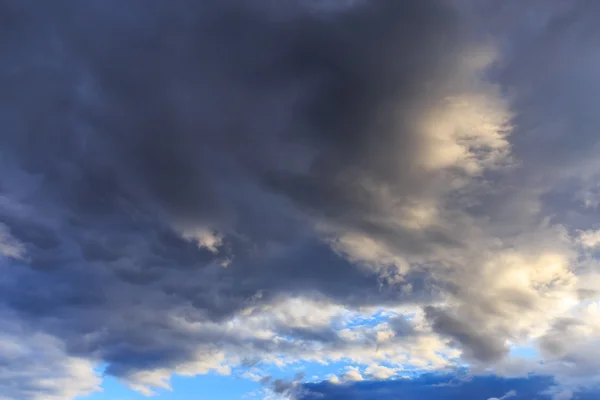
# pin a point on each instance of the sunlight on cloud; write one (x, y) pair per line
(9, 246)
(37, 365)
(365, 190)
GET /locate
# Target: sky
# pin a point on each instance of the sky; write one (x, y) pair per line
(299, 200)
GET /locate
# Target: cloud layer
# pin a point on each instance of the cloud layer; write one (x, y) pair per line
(441, 387)
(199, 186)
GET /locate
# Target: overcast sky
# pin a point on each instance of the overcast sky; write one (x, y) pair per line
(321, 197)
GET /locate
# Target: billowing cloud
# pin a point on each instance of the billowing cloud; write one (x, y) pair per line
(194, 187)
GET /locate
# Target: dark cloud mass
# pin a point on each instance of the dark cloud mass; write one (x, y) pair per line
(175, 175)
(128, 127)
(440, 387)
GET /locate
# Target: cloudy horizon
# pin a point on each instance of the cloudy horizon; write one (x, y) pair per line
(299, 199)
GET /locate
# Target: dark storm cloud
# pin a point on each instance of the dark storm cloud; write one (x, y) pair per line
(549, 69)
(125, 124)
(434, 387)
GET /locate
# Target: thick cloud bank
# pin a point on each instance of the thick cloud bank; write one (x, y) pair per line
(446, 387)
(195, 186)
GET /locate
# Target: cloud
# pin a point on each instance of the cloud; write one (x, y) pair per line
(9, 246)
(352, 374)
(483, 347)
(381, 372)
(436, 387)
(123, 140)
(187, 188)
(36, 366)
(508, 395)
(590, 238)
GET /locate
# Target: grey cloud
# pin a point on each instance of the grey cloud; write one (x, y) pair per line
(477, 345)
(549, 69)
(556, 342)
(401, 326)
(290, 388)
(323, 335)
(128, 129)
(126, 124)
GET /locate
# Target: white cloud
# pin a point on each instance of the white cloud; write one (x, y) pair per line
(508, 395)
(589, 238)
(37, 367)
(9, 246)
(205, 238)
(352, 374)
(381, 372)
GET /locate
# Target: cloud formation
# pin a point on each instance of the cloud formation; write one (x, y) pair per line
(439, 387)
(192, 187)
